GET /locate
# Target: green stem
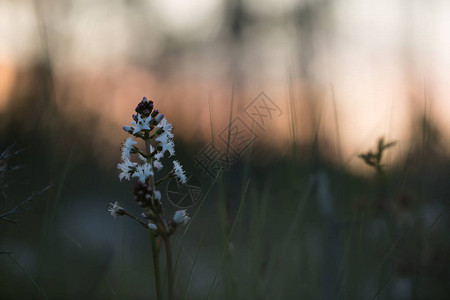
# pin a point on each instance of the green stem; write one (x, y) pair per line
(150, 160)
(162, 179)
(169, 267)
(135, 218)
(155, 250)
(155, 254)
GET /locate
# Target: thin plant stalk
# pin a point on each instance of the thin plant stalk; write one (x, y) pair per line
(122, 259)
(156, 268)
(193, 217)
(36, 285)
(193, 267)
(241, 206)
(155, 250)
(169, 267)
(358, 261)
(91, 258)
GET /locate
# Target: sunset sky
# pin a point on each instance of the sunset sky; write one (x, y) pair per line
(370, 64)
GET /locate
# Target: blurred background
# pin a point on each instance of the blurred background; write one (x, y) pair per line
(313, 83)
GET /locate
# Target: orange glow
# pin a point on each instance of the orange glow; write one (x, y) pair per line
(7, 79)
(363, 73)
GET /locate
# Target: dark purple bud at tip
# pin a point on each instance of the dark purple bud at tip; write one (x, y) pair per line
(135, 118)
(159, 118)
(144, 107)
(154, 113)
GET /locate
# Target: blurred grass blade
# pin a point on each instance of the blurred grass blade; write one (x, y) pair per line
(193, 267)
(241, 205)
(192, 220)
(36, 285)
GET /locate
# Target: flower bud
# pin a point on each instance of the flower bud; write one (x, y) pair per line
(159, 118)
(180, 217)
(152, 226)
(155, 113)
(127, 129)
(144, 107)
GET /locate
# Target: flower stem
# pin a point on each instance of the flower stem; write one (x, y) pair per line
(169, 266)
(155, 250)
(135, 218)
(162, 179)
(155, 254)
(149, 159)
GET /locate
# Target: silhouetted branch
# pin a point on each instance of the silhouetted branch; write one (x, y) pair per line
(16, 209)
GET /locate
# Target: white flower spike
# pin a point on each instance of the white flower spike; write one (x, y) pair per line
(149, 125)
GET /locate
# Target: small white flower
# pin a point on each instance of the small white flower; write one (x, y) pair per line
(179, 172)
(127, 147)
(114, 209)
(158, 164)
(158, 195)
(180, 217)
(141, 124)
(142, 158)
(171, 148)
(152, 226)
(167, 127)
(166, 143)
(143, 172)
(126, 167)
(158, 155)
